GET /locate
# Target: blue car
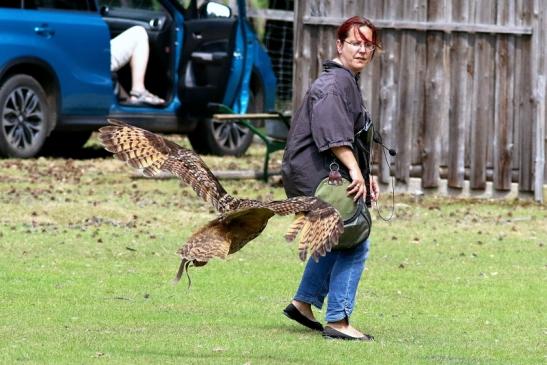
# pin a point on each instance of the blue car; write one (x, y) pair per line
(56, 86)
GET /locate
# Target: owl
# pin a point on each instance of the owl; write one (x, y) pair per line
(239, 221)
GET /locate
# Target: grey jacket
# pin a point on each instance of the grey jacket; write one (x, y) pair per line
(330, 115)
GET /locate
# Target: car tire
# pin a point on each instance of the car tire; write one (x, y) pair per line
(226, 138)
(24, 117)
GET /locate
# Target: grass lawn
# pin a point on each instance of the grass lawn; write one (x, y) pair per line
(88, 254)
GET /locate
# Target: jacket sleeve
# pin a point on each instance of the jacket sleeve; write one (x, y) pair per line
(332, 124)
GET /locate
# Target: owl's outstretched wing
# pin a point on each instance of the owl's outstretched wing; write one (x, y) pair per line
(152, 153)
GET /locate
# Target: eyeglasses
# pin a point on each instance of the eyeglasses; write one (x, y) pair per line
(357, 45)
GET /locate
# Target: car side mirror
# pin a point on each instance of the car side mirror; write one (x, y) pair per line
(104, 10)
(212, 9)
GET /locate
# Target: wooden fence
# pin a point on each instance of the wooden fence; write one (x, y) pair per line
(459, 88)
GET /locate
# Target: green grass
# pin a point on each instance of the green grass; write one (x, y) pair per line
(88, 255)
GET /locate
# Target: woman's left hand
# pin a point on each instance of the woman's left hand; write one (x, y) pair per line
(374, 191)
(357, 187)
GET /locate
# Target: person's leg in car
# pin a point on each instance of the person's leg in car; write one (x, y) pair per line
(132, 47)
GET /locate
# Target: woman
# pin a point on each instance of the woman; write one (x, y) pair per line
(323, 130)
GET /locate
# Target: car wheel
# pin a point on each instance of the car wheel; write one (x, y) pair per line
(225, 138)
(24, 117)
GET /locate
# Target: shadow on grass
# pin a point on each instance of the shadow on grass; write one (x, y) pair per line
(87, 153)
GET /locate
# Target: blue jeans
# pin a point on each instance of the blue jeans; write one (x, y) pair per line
(337, 275)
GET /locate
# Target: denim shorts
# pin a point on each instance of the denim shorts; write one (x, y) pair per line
(123, 46)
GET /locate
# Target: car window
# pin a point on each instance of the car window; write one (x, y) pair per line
(197, 3)
(16, 4)
(192, 7)
(82, 5)
(132, 4)
(186, 3)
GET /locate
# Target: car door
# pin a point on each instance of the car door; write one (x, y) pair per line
(209, 48)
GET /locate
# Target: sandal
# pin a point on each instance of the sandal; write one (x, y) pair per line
(144, 97)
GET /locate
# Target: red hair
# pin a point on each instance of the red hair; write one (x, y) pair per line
(356, 23)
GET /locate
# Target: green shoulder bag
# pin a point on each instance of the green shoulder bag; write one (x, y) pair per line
(355, 215)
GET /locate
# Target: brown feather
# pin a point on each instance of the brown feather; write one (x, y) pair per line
(296, 227)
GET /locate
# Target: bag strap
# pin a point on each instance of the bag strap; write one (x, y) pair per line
(363, 146)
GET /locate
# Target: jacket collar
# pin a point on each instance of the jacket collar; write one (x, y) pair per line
(331, 65)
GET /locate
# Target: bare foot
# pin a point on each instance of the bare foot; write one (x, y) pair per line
(304, 309)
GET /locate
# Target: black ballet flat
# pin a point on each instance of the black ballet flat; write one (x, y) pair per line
(293, 313)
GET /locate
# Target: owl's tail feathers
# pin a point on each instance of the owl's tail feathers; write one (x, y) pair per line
(184, 264)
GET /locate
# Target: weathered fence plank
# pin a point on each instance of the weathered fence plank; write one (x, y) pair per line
(445, 120)
(483, 98)
(407, 88)
(302, 54)
(539, 68)
(419, 12)
(388, 88)
(523, 93)
(461, 82)
(327, 41)
(503, 117)
(370, 78)
(436, 99)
